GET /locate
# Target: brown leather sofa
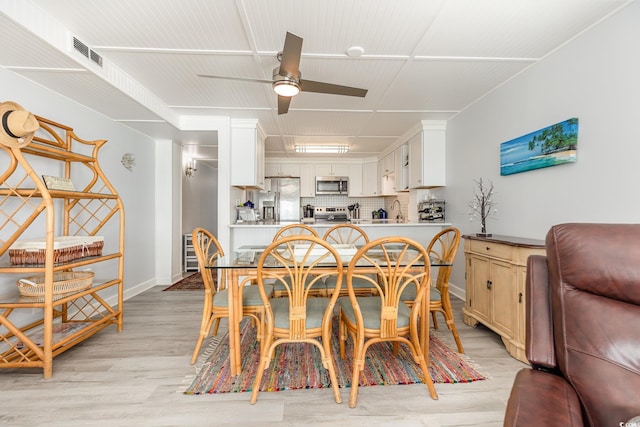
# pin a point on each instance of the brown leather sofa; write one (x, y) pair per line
(583, 330)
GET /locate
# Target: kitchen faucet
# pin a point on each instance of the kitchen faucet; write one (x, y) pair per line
(399, 215)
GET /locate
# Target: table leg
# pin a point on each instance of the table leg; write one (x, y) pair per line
(235, 316)
(424, 325)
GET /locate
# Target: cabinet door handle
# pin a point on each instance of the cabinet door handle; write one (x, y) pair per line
(489, 284)
(520, 298)
(488, 248)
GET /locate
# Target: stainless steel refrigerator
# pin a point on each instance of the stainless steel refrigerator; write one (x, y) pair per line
(284, 195)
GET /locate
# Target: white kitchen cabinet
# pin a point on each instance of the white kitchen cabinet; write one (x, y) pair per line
(386, 185)
(307, 181)
(247, 154)
(387, 164)
(355, 180)
(427, 156)
(386, 176)
(281, 169)
(323, 169)
(370, 179)
(401, 168)
(332, 169)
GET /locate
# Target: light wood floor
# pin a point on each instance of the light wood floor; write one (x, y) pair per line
(134, 378)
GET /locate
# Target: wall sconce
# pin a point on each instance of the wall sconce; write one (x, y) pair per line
(190, 168)
(128, 161)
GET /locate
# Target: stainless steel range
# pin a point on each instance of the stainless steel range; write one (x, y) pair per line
(323, 214)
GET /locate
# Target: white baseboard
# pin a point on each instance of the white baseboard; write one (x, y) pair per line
(139, 288)
(457, 291)
(131, 291)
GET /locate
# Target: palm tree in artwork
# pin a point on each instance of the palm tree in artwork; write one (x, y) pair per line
(559, 137)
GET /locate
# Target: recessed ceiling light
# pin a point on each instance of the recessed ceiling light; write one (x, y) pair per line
(354, 51)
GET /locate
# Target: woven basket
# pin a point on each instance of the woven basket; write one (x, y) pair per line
(63, 282)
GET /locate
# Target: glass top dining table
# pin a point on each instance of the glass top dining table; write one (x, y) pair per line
(239, 269)
(246, 257)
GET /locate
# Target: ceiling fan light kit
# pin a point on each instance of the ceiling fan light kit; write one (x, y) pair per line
(285, 88)
(285, 85)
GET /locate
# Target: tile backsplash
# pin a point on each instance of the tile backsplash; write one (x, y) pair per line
(367, 204)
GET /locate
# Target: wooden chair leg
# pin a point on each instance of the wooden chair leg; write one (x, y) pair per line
(359, 352)
(265, 361)
(355, 378)
(327, 362)
(204, 332)
(342, 335)
(435, 321)
(427, 378)
(196, 350)
(454, 331)
(216, 324)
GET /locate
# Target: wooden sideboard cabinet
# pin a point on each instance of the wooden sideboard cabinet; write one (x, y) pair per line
(495, 286)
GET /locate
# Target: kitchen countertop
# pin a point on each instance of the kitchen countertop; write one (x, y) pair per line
(358, 222)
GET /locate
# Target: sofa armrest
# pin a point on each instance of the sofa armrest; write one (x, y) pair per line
(539, 347)
(541, 398)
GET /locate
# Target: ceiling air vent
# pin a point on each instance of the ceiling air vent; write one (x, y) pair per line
(81, 47)
(86, 52)
(96, 58)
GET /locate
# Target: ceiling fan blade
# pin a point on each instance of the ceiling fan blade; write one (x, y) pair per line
(290, 64)
(241, 79)
(283, 104)
(320, 87)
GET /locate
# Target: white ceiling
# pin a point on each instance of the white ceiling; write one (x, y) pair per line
(422, 59)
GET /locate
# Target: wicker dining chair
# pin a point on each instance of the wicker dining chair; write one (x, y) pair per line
(298, 317)
(295, 230)
(399, 262)
(216, 298)
(443, 246)
(348, 234)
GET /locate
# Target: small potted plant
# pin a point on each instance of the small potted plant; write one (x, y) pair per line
(482, 205)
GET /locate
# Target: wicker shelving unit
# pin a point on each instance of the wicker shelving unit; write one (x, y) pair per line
(28, 207)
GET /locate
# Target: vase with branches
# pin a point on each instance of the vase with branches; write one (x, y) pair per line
(482, 205)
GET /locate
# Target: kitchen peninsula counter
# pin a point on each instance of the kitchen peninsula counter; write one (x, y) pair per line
(358, 222)
(257, 233)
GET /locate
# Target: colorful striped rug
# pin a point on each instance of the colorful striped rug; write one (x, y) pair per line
(297, 366)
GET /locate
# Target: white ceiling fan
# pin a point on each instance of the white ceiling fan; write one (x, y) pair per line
(287, 79)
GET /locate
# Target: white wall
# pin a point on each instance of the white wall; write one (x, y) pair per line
(595, 78)
(200, 199)
(167, 212)
(135, 187)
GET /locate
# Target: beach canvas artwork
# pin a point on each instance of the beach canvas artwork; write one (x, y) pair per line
(551, 146)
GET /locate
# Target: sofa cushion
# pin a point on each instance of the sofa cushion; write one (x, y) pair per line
(540, 398)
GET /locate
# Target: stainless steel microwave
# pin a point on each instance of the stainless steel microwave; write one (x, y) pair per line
(332, 185)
